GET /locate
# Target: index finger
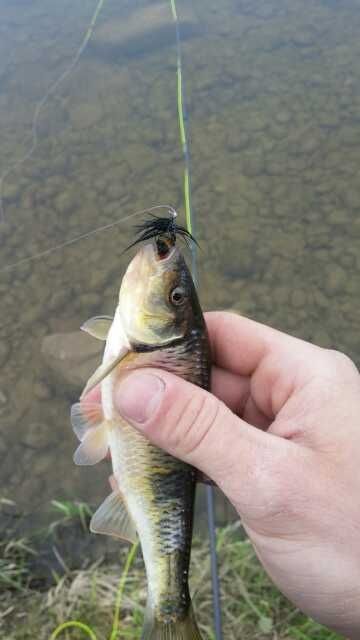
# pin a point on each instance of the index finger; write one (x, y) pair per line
(239, 344)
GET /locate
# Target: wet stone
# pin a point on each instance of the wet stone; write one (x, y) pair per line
(321, 338)
(58, 300)
(308, 143)
(65, 202)
(255, 121)
(4, 352)
(41, 391)
(4, 404)
(352, 197)
(252, 164)
(85, 115)
(11, 191)
(303, 39)
(91, 301)
(336, 279)
(298, 298)
(71, 358)
(283, 116)
(339, 216)
(37, 435)
(3, 446)
(238, 140)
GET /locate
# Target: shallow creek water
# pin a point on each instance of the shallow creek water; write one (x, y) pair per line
(273, 93)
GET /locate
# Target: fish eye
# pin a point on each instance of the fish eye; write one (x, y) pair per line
(177, 296)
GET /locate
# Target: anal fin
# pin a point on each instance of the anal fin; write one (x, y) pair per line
(113, 519)
(93, 448)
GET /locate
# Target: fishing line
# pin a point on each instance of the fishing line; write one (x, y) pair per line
(43, 102)
(183, 118)
(67, 243)
(189, 215)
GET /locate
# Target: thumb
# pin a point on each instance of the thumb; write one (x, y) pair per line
(195, 426)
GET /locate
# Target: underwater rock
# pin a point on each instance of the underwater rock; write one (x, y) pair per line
(336, 279)
(339, 216)
(255, 121)
(277, 131)
(4, 352)
(41, 391)
(3, 403)
(321, 338)
(146, 29)
(37, 435)
(283, 116)
(58, 299)
(11, 191)
(65, 202)
(327, 118)
(299, 298)
(71, 357)
(303, 38)
(252, 163)
(85, 115)
(238, 140)
(91, 300)
(352, 197)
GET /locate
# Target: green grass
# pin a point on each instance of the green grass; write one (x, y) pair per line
(14, 564)
(107, 600)
(70, 512)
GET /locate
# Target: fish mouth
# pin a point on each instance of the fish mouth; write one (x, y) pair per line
(141, 299)
(145, 262)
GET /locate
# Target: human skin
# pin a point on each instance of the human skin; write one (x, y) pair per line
(280, 435)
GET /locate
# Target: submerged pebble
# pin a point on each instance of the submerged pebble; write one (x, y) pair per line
(37, 435)
(274, 115)
(5, 351)
(41, 391)
(3, 398)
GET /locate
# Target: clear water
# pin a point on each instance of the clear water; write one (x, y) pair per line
(273, 92)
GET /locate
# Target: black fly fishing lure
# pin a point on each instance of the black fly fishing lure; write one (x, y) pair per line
(164, 231)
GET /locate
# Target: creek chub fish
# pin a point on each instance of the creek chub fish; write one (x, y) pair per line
(158, 322)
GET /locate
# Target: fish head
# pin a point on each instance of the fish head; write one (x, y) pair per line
(158, 302)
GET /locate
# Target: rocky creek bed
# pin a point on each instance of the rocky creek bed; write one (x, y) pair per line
(274, 101)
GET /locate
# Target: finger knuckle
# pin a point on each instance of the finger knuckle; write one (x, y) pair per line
(275, 487)
(195, 424)
(341, 362)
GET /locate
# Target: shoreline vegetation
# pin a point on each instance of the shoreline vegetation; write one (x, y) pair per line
(51, 578)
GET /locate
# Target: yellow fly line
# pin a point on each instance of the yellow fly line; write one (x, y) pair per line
(182, 128)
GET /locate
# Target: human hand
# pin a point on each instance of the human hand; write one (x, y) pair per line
(294, 480)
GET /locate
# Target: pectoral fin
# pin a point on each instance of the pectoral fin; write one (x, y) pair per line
(93, 447)
(98, 327)
(104, 370)
(84, 417)
(112, 518)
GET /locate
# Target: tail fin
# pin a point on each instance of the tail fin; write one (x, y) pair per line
(185, 629)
